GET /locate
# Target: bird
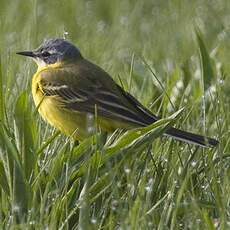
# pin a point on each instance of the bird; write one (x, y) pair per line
(71, 92)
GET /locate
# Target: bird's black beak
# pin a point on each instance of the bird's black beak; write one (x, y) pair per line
(27, 53)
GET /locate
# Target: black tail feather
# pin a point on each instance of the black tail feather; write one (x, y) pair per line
(192, 138)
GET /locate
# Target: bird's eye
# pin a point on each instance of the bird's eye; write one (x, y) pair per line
(45, 54)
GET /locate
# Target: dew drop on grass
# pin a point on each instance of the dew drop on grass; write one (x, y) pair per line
(65, 34)
(127, 170)
(198, 220)
(165, 160)
(114, 205)
(221, 81)
(119, 184)
(176, 184)
(93, 220)
(148, 170)
(16, 208)
(179, 84)
(193, 163)
(148, 188)
(150, 224)
(212, 89)
(131, 188)
(180, 170)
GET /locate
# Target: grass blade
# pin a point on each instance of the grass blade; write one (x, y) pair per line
(206, 67)
(26, 133)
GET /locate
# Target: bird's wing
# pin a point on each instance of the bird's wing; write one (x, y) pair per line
(92, 89)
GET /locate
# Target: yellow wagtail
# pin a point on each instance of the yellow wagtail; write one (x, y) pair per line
(67, 88)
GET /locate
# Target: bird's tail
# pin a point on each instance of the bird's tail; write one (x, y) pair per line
(192, 138)
(143, 117)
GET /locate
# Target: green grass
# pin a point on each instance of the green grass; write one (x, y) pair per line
(170, 55)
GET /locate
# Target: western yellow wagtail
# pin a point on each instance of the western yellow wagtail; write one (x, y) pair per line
(67, 88)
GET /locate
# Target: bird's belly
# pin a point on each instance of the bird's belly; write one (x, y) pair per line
(77, 124)
(72, 123)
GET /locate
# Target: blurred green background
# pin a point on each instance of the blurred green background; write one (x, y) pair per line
(110, 32)
(157, 50)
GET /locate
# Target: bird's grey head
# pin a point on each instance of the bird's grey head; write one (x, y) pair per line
(52, 51)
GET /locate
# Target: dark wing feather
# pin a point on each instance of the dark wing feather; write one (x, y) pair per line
(111, 102)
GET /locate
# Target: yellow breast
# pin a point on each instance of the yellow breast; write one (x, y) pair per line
(76, 124)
